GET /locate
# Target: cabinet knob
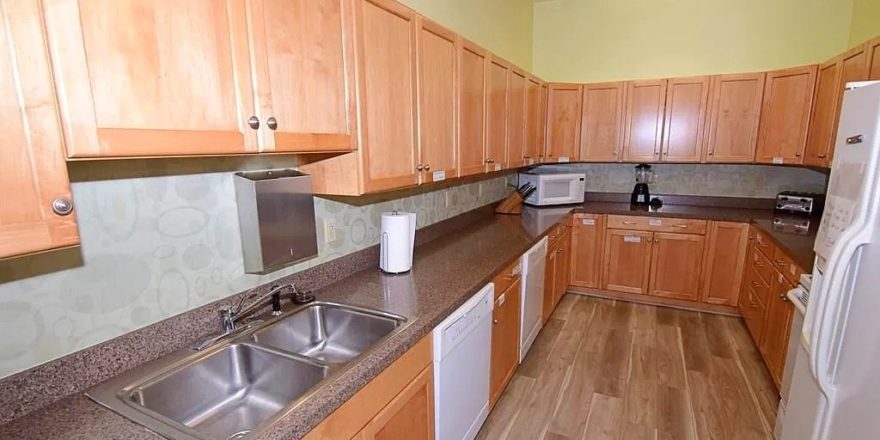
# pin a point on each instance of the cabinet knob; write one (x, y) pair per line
(783, 297)
(798, 154)
(62, 206)
(656, 240)
(253, 122)
(822, 156)
(419, 167)
(427, 167)
(711, 153)
(494, 321)
(272, 123)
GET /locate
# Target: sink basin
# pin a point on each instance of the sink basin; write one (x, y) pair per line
(328, 332)
(248, 379)
(230, 392)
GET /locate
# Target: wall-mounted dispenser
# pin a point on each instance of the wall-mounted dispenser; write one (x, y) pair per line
(276, 214)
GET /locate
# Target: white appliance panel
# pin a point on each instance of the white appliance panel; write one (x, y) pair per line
(532, 293)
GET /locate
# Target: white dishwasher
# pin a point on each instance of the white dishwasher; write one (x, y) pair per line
(462, 347)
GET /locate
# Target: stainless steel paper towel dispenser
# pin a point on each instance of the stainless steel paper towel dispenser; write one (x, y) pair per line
(276, 214)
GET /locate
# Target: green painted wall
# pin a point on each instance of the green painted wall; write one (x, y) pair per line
(865, 21)
(502, 26)
(598, 40)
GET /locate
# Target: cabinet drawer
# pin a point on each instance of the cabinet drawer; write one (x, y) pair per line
(759, 286)
(764, 244)
(761, 264)
(506, 278)
(785, 265)
(657, 224)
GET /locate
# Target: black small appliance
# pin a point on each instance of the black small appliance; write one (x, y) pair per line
(641, 195)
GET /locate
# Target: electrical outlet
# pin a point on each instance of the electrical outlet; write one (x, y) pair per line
(446, 199)
(329, 230)
(480, 189)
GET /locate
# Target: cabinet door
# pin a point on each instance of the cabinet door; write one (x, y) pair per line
(496, 114)
(676, 265)
(387, 51)
(643, 129)
(874, 59)
(563, 266)
(602, 122)
(725, 262)
(785, 115)
(542, 124)
(587, 236)
(303, 74)
(505, 340)
(549, 297)
(438, 67)
(627, 261)
(35, 173)
(777, 326)
(140, 78)
(533, 151)
(687, 101)
(823, 117)
(516, 118)
(409, 415)
(734, 111)
(472, 109)
(753, 312)
(563, 122)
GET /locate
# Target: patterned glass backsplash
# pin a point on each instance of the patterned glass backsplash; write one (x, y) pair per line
(154, 247)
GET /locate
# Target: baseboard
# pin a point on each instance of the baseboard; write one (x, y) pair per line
(656, 301)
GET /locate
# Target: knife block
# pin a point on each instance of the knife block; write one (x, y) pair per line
(512, 205)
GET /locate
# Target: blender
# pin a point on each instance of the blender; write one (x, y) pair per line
(641, 195)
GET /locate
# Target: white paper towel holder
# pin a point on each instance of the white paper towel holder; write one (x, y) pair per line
(384, 263)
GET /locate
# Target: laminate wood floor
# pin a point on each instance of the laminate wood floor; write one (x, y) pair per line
(603, 369)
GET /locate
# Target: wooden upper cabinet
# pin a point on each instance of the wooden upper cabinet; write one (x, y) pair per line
(35, 172)
(643, 129)
(677, 265)
(602, 122)
(627, 261)
(873, 51)
(534, 105)
(587, 238)
(542, 123)
(830, 83)
(516, 118)
(785, 115)
(472, 61)
(496, 114)
(303, 74)
(734, 112)
(725, 262)
(563, 122)
(687, 101)
(387, 58)
(143, 79)
(438, 69)
(823, 119)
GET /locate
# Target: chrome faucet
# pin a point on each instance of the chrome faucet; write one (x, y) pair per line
(229, 316)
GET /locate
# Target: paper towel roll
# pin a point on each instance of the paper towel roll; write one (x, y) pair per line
(398, 233)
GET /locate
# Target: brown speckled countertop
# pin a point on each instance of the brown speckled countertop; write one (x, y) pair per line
(446, 272)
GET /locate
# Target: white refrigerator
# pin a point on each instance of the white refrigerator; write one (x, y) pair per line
(835, 385)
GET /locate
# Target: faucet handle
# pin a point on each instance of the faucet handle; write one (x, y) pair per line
(227, 318)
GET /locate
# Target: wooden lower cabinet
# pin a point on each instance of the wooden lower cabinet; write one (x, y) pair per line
(627, 261)
(549, 298)
(753, 311)
(587, 238)
(563, 266)
(725, 262)
(398, 403)
(556, 273)
(777, 326)
(410, 415)
(505, 340)
(676, 265)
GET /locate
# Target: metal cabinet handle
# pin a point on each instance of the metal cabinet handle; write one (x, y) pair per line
(798, 154)
(628, 222)
(272, 123)
(783, 297)
(62, 206)
(427, 167)
(494, 321)
(419, 167)
(756, 284)
(656, 240)
(680, 226)
(780, 263)
(822, 156)
(253, 122)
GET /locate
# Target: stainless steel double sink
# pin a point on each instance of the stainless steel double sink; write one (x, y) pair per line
(248, 380)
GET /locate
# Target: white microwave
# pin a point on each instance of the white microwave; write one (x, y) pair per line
(554, 188)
